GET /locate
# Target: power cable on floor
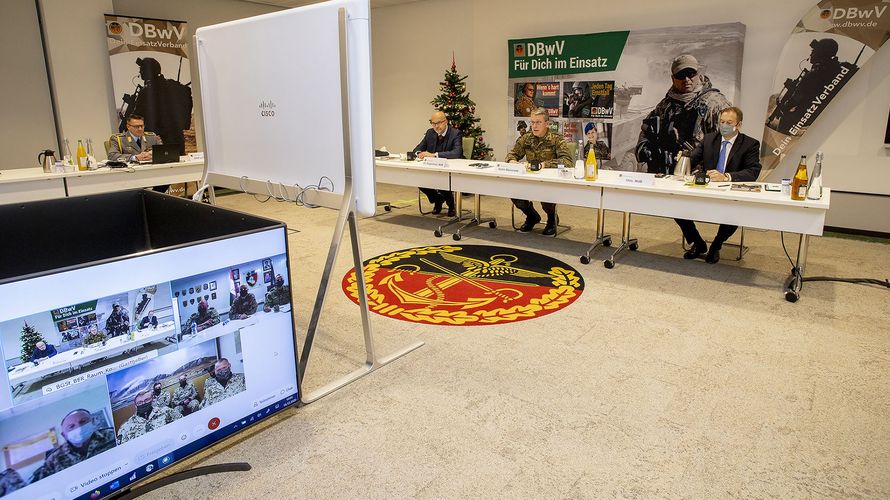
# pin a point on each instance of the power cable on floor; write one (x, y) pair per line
(859, 281)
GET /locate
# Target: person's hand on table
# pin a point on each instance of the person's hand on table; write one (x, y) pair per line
(144, 156)
(717, 176)
(424, 154)
(513, 161)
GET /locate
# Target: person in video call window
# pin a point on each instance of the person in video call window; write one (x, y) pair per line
(728, 156)
(185, 398)
(149, 320)
(440, 141)
(277, 296)
(203, 319)
(83, 440)
(118, 322)
(42, 350)
(10, 481)
(146, 418)
(244, 304)
(547, 149)
(161, 397)
(223, 384)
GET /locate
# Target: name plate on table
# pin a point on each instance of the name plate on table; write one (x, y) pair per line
(432, 161)
(637, 178)
(195, 156)
(511, 168)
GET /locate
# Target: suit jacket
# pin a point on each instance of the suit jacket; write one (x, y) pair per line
(49, 352)
(742, 161)
(123, 147)
(451, 147)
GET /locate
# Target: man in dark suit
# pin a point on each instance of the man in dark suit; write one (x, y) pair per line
(441, 141)
(727, 156)
(42, 350)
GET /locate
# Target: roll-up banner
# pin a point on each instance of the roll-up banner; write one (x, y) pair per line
(151, 76)
(615, 90)
(826, 48)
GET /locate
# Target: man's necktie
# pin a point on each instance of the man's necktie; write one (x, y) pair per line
(721, 162)
(439, 140)
(139, 143)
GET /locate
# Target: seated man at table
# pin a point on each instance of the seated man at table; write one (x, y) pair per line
(42, 350)
(244, 304)
(441, 141)
(149, 320)
(547, 149)
(728, 156)
(135, 144)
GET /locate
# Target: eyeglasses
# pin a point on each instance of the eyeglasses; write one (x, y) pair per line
(538, 122)
(438, 122)
(136, 126)
(685, 73)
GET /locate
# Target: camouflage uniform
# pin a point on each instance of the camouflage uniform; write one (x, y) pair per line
(66, 455)
(136, 426)
(600, 151)
(162, 399)
(245, 304)
(524, 106)
(277, 296)
(181, 395)
(214, 392)
(678, 123)
(118, 324)
(10, 480)
(197, 318)
(549, 150)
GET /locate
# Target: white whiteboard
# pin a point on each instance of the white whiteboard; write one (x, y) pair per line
(270, 90)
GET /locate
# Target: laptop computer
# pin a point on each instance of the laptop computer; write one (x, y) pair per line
(165, 153)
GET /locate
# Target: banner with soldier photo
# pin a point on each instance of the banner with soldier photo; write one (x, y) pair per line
(829, 44)
(618, 94)
(151, 76)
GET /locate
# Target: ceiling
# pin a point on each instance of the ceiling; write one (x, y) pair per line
(298, 3)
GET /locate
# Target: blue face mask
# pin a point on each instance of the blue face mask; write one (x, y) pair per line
(726, 129)
(79, 435)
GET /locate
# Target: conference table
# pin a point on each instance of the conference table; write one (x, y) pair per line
(628, 193)
(33, 184)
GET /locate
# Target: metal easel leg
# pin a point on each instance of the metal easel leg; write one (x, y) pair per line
(795, 281)
(626, 242)
(601, 239)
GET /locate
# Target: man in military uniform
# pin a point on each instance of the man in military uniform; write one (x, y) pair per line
(185, 398)
(525, 102)
(134, 144)
(147, 418)
(600, 149)
(161, 397)
(244, 304)
(277, 296)
(203, 319)
(118, 322)
(690, 109)
(166, 104)
(546, 149)
(83, 440)
(10, 480)
(224, 383)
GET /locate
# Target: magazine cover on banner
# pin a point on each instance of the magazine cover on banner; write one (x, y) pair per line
(615, 90)
(151, 77)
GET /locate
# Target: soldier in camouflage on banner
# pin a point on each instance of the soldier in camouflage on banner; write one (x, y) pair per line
(203, 319)
(166, 104)
(223, 384)
(277, 296)
(118, 322)
(185, 398)
(146, 419)
(83, 440)
(690, 109)
(544, 149)
(161, 397)
(524, 103)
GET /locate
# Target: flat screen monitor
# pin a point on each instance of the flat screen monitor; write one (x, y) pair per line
(117, 370)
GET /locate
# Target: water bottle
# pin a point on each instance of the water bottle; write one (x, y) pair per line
(814, 189)
(579, 161)
(194, 328)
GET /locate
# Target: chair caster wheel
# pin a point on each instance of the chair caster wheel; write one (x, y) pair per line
(633, 247)
(791, 296)
(455, 237)
(437, 233)
(609, 263)
(607, 242)
(387, 208)
(585, 259)
(493, 224)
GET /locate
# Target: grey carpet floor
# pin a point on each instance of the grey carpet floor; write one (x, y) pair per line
(665, 379)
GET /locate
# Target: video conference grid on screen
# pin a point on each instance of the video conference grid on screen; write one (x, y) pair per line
(100, 388)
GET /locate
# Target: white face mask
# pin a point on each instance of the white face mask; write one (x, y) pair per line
(80, 435)
(726, 129)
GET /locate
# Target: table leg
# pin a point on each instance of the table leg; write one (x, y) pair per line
(626, 242)
(458, 203)
(794, 282)
(601, 239)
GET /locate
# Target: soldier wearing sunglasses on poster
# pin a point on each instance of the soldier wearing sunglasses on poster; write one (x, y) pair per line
(690, 109)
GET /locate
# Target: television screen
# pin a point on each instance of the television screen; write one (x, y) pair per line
(118, 370)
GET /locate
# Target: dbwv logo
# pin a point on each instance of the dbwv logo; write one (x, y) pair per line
(854, 13)
(533, 49)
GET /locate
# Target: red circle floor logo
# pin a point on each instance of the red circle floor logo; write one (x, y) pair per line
(466, 285)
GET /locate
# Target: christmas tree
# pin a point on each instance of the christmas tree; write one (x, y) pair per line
(460, 110)
(30, 338)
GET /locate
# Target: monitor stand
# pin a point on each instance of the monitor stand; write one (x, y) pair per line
(127, 494)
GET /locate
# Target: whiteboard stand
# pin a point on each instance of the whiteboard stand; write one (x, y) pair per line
(348, 209)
